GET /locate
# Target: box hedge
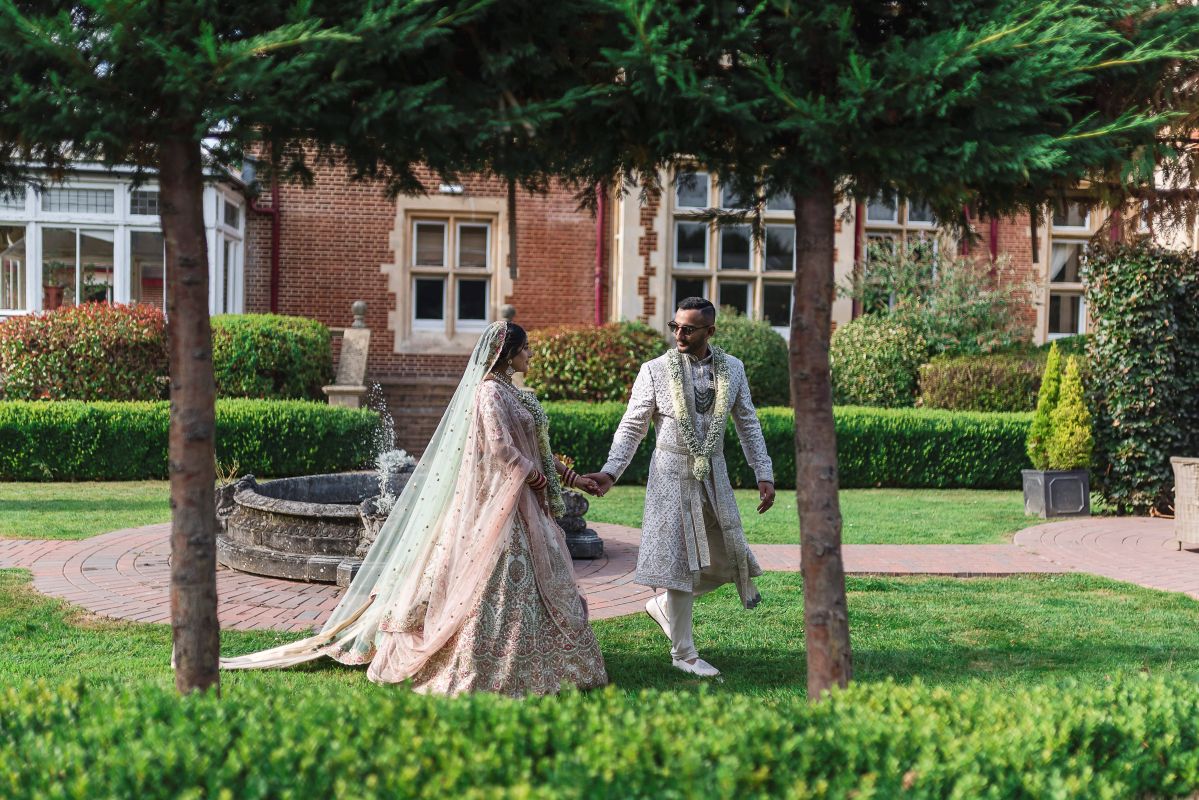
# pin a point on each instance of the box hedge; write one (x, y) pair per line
(71, 440)
(905, 448)
(1131, 737)
(999, 382)
(271, 356)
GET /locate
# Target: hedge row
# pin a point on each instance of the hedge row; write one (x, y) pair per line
(1133, 737)
(1000, 382)
(906, 448)
(72, 440)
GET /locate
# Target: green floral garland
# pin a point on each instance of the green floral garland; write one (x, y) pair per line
(701, 452)
(553, 487)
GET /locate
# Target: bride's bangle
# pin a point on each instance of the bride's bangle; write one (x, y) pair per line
(570, 478)
(537, 481)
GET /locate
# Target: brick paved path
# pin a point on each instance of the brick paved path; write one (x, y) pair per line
(125, 574)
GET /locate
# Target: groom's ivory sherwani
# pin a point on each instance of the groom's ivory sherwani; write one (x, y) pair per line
(676, 544)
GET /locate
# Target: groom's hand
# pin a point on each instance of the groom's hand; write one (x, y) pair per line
(766, 495)
(603, 482)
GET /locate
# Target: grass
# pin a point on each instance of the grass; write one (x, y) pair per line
(870, 516)
(1001, 632)
(79, 510)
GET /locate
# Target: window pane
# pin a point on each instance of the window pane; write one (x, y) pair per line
(882, 209)
(14, 270)
(780, 201)
(472, 301)
(919, 212)
(430, 298)
(1066, 262)
(689, 287)
(229, 274)
(780, 247)
(1072, 215)
(1065, 313)
(735, 295)
(97, 266)
(734, 247)
(80, 201)
(14, 201)
(776, 304)
(472, 246)
(691, 190)
(730, 199)
(430, 245)
(691, 244)
(232, 214)
(58, 267)
(147, 276)
(143, 202)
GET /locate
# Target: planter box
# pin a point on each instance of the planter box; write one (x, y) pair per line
(1057, 492)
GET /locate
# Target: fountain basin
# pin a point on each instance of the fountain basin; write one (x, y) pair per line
(309, 528)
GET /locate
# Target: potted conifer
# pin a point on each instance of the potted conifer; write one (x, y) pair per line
(1059, 445)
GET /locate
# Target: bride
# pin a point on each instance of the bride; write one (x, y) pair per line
(469, 585)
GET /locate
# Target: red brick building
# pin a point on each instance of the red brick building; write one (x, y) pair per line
(434, 272)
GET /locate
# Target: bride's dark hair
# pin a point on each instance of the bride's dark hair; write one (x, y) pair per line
(515, 339)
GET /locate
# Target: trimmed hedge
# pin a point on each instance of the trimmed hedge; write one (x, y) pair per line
(1131, 737)
(271, 356)
(573, 362)
(94, 351)
(875, 361)
(903, 448)
(1003, 382)
(75, 441)
(764, 353)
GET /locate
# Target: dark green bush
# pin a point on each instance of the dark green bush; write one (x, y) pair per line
(875, 361)
(128, 441)
(94, 351)
(589, 363)
(908, 448)
(271, 356)
(1131, 737)
(1144, 370)
(764, 353)
(1002, 382)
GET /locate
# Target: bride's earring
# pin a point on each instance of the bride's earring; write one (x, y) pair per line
(508, 370)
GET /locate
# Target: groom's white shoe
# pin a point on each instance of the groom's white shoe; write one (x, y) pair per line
(701, 668)
(657, 612)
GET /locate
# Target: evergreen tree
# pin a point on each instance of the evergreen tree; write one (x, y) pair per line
(991, 104)
(1047, 399)
(1070, 444)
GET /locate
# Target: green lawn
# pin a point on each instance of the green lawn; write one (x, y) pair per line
(79, 510)
(1002, 632)
(871, 516)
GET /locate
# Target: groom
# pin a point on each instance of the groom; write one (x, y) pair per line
(691, 540)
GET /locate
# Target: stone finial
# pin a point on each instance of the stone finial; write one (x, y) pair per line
(508, 311)
(358, 309)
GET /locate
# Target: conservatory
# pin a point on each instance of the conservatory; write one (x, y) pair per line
(96, 237)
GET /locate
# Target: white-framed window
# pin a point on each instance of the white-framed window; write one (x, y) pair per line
(147, 251)
(13, 201)
(883, 209)
(143, 202)
(79, 200)
(78, 265)
(722, 262)
(920, 214)
(1067, 314)
(15, 273)
(1072, 215)
(451, 262)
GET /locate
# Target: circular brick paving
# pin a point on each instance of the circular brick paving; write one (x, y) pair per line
(125, 574)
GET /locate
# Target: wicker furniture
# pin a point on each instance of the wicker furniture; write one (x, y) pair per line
(1186, 500)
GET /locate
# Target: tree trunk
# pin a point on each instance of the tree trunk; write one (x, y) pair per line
(194, 627)
(826, 620)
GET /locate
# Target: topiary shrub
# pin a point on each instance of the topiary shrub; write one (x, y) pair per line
(95, 351)
(1069, 446)
(270, 356)
(1002, 382)
(764, 353)
(1143, 381)
(590, 363)
(1042, 421)
(875, 361)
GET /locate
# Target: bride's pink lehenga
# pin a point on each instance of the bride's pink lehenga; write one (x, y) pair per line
(525, 630)
(469, 585)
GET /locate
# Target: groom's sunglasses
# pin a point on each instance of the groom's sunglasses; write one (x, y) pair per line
(686, 329)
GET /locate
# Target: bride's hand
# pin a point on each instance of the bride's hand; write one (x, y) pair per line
(588, 485)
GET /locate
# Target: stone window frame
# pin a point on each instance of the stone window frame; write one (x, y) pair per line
(711, 274)
(1053, 234)
(452, 337)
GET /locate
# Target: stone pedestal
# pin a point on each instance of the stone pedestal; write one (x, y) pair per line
(348, 387)
(345, 396)
(583, 542)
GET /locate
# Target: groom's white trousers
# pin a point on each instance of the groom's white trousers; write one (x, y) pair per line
(679, 605)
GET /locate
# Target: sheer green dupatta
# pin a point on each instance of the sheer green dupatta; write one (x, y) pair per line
(394, 578)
